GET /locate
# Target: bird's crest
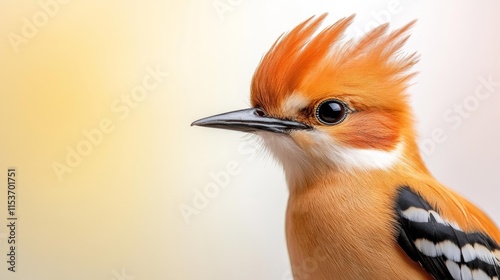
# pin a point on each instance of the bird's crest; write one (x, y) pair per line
(369, 72)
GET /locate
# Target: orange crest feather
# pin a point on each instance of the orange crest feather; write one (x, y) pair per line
(367, 73)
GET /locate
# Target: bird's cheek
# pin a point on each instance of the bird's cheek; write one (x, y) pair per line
(313, 143)
(303, 139)
(370, 131)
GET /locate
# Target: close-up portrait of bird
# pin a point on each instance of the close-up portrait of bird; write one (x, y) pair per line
(250, 140)
(335, 114)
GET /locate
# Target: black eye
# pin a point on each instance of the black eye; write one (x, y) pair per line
(331, 112)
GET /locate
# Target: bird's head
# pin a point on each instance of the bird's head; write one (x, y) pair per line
(325, 106)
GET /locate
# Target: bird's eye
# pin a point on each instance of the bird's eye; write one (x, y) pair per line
(331, 112)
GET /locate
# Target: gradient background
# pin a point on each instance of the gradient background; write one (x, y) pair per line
(116, 215)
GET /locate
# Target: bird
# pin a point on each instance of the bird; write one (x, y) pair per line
(335, 114)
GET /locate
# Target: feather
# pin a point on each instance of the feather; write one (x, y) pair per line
(440, 246)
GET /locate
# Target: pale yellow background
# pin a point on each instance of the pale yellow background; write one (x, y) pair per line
(117, 213)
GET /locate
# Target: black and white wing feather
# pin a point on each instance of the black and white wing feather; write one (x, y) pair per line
(442, 248)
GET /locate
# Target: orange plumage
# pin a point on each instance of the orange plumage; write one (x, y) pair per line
(362, 203)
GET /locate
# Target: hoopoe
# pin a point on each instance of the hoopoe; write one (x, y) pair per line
(362, 204)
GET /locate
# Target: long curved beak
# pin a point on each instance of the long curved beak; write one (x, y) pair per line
(250, 120)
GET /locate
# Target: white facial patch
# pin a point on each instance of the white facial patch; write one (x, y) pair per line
(298, 162)
(293, 159)
(349, 159)
(293, 104)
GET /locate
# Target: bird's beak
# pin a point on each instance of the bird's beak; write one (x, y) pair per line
(250, 120)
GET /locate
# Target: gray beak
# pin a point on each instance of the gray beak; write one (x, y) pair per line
(250, 120)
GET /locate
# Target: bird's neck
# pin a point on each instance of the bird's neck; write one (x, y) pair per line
(404, 160)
